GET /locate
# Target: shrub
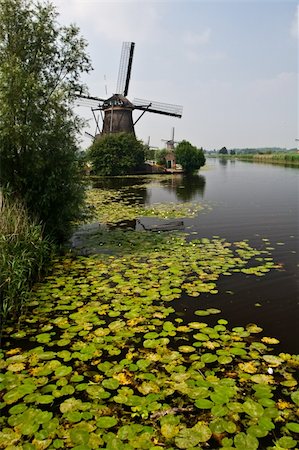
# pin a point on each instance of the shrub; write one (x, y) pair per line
(190, 157)
(116, 154)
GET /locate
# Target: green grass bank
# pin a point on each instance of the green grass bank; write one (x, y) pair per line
(271, 158)
(23, 254)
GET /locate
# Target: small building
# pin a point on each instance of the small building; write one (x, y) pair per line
(170, 159)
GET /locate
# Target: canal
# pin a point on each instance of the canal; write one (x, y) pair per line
(243, 200)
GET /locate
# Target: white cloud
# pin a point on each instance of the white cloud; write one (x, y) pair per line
(115, 21)
(204, 57)
(196, 39)
(295, 24)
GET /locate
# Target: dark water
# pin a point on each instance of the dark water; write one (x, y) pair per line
(249, 201)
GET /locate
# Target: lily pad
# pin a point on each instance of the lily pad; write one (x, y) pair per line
(186, 349)
(106, 422)
(187, 438)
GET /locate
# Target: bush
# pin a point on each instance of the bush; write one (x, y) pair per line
(23, 255)
(190, 157)
(116, 154)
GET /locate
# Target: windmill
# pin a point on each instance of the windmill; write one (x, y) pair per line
(117, 111)
(170, 142)
(170, 159)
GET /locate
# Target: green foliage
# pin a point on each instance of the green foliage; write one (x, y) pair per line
(190, 157)
(161, 157)
(40, 67)
(223, 151)
(23, 254)
(116, 154)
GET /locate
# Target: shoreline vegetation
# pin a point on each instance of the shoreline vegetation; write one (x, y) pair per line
(24, 254)
(291, 159)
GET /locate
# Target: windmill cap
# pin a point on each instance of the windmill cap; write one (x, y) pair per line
(117, 100)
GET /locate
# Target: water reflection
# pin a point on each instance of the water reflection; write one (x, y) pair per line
(223, 161)
(145, 190)
(116, 183)
(131, 189)
(185, 187)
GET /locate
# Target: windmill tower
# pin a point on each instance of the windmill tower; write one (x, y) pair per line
(170, 155)
(170, 142)
(117, 110)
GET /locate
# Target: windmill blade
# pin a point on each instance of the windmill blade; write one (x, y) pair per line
(172, 136)
(159, 108)
(90, 102)
(125, 67)
(88, 97)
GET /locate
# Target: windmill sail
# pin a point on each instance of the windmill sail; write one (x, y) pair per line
(91, 102)
(125, 68)
(158, 107)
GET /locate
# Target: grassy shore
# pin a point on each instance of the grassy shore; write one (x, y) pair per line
(24, 253)
(272, 158)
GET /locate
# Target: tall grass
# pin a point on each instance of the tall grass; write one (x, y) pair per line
(23, 254)
(284, 158)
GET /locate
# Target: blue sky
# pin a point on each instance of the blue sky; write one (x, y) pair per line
(233, 65)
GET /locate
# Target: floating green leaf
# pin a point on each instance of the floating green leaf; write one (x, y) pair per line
(79, 436)
(106, 422)
(286, 442)
(293, 426)
(203, 403)
(187, 438)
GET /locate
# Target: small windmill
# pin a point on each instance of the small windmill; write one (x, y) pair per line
(117, 111)
(170, 158)
(170, 142)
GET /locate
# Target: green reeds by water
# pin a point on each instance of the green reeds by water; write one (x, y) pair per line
(285, 158)
(23, 254)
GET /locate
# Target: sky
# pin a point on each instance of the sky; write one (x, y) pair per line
(232, 65)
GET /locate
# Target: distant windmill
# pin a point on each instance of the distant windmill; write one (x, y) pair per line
(170, 158)
(170, 142)
(118, 109)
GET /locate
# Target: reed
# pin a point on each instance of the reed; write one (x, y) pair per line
(287, 158)
(23, 255)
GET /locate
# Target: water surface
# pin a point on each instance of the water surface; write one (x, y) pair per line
(253, 201)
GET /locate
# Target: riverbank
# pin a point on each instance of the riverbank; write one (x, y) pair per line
(290, 159)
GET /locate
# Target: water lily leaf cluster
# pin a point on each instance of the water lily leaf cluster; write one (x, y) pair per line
(113, 206)
(102, 361)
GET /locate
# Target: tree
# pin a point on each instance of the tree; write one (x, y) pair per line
(40, 68)
(116, 154)
(223, 151)
(190, 157)
(161, 154)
